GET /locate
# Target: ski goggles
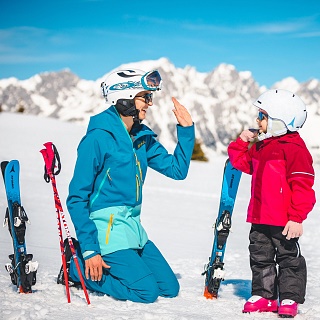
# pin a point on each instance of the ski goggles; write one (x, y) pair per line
(147, 97)
(151, 80)
(262, 115)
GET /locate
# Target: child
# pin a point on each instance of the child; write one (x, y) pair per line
(281, 198)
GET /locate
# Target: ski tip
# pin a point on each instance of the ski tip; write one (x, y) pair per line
(3, 167)
(210, 295)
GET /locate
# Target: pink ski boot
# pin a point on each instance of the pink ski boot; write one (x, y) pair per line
(260, 304)
(288, 309)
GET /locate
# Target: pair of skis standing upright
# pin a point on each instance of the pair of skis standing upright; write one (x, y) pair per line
(23, 270)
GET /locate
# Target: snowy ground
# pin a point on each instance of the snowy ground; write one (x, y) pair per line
(177, 215)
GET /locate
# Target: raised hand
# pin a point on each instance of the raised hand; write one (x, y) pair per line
(247, 135)
(181, 113)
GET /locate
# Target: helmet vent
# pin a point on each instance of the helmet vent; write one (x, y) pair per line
(259, 101)
(293, 95)
(123, 75)
(276, 91)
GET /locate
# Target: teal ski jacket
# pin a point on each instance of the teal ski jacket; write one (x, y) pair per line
(105, 193)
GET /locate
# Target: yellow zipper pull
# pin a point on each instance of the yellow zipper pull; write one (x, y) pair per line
(109, 228)
(139, 167)
(137, 187)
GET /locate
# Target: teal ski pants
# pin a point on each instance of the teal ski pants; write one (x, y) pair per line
(137, 275)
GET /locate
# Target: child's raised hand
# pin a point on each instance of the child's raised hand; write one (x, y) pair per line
(292, 230)
(247, 135)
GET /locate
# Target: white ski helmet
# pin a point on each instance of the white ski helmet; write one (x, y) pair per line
(286, 111)
(126, 84)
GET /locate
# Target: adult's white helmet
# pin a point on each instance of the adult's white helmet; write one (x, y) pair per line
(126, 84)
(283, 107)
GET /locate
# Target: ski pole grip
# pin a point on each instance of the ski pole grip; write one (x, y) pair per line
(47, 170)
(51, 156)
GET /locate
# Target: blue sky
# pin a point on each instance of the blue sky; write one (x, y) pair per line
(272, 39)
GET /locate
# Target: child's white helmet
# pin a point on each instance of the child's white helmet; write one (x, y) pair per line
(126, 84)
(284, 106)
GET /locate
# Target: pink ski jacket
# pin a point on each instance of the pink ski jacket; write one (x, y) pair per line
(282, 178)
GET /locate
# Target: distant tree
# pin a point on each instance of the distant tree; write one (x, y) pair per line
(198, 153)
(20, 107)
(1, 107)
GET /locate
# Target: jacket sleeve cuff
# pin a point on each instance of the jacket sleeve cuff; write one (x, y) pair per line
(186, 130)
(296, 218)
(241, 142)
(89, 254)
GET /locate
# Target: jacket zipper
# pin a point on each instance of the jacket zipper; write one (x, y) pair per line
(107, 175)
(138, 177)
(110, 223)
(138, 165)
(137, 188)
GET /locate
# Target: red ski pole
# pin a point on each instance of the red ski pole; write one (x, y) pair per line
(50, 155)
(63, 257)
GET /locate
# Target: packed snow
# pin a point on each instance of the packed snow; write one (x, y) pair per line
(178, 216)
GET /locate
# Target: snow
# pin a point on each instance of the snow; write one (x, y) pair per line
(288, 83)
(8, 81)
(178, 216)
(313, 84)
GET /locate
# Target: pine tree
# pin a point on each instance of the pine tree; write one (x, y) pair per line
(198, 153)
(20, 107)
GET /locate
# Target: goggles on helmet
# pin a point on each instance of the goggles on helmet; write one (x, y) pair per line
(152, 80)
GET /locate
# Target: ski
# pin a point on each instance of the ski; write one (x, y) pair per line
(21, 268)
(214, 271)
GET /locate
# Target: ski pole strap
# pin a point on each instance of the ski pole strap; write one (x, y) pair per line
(46, 177)
(56, 160)
(51, 159)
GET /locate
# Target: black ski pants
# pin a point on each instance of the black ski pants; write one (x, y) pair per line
(278, 268)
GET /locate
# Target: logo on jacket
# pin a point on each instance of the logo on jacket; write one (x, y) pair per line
(141, 144)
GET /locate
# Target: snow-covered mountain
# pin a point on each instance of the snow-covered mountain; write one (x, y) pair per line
(220, 101)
